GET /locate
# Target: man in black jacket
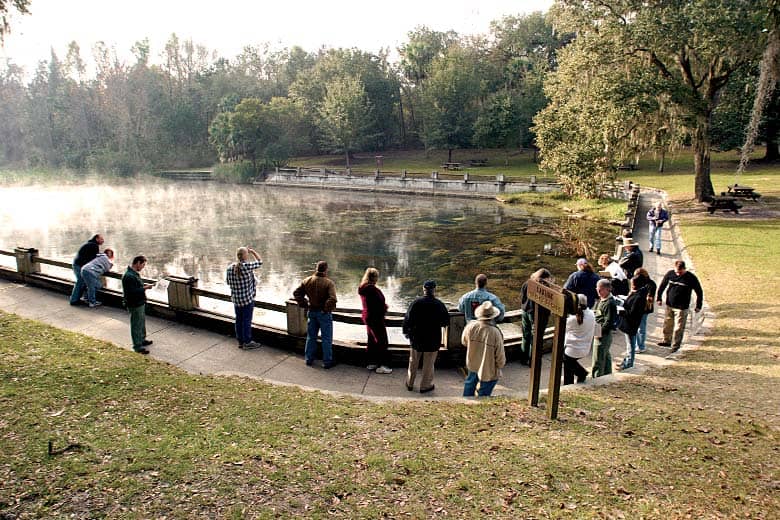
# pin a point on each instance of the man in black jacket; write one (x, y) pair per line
(87, 252)
(134, 290)
(422, 325)
(681, 284)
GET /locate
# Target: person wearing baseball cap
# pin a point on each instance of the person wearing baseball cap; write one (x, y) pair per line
(422, 325)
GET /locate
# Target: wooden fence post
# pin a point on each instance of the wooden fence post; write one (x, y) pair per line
(25, 261)
(296, 319)
(180, 296)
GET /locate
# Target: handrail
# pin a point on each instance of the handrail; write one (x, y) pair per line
(6, 252)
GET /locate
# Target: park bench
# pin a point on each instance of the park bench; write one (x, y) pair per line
(629, 166)
(724, 203)
(451, 166)
(735, 190)
(478, 162)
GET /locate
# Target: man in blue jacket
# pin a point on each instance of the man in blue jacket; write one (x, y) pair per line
(656, 218)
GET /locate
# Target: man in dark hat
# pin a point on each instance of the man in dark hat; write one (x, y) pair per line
(422, 325)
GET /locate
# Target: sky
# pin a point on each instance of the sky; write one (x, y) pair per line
(227, 26)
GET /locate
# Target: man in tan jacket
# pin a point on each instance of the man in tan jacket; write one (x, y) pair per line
(317, 293)
(485, 356)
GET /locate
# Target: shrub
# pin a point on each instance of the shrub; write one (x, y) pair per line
(240, 172)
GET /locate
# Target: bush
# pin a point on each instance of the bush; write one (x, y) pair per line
(109, 161)
(241, 172)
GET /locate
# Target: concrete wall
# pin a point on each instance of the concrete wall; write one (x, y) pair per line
(402, 183)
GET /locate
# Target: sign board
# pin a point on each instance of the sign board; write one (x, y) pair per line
(547, 295)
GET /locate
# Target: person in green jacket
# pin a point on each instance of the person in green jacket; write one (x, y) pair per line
(134, 290)
(606, 317)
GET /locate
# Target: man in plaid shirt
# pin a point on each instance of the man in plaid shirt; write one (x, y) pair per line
(240, 278)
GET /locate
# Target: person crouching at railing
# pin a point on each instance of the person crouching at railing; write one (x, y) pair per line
(93, 270)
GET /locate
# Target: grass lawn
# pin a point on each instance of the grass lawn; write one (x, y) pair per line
(698, 439)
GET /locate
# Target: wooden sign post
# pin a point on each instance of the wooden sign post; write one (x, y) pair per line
(560, 303)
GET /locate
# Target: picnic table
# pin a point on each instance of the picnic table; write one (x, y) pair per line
(629, 166)
(451, 166)
(478, 162)
(736, 190)
(724, 203)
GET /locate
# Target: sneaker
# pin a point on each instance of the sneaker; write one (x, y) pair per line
(146, 342)
(664, 344)
(328, 366)
(675, 348)
(309, 362)
(641, 350)
(384, 370)
(582, 379)
(426, 390)
(93, 305)
(372, 367)
(251, 345)
(658, 252)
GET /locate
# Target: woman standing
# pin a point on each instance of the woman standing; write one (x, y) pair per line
(579, 338)
(240, 278)
(649, 284)
(527, 305)
(629, 323)
(374, 311)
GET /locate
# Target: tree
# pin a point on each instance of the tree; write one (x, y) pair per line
(693, 48)
(6, 6)
(450, 100)
(345, 116)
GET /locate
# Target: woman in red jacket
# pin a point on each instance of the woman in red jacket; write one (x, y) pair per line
(374, 311)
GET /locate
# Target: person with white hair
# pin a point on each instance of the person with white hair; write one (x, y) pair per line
(93, 270)
(485, 355)
(656, 218)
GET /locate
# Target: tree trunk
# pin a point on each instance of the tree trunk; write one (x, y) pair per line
(701, 157)
(771, 131)
(661, 164)
(449, 154)
(347, 154)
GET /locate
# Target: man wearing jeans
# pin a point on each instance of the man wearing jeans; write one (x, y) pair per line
(485, 356)
(134, 290)
(681, 284)
(240, 277)
(656, 218)
(318, 294)
(87, 252)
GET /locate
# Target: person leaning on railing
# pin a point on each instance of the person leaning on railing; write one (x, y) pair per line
(87, 252)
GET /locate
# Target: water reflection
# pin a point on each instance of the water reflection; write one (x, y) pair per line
(192, 229)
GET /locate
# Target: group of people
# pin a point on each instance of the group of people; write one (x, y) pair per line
(590, 328)
(90, 265)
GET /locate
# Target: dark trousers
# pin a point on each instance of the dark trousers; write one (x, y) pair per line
(376, 346)
(244, 323)
(571, 368)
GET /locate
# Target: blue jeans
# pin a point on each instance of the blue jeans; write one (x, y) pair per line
(470, 386)
(628, 360)
(244, 323)
(641, 334)
(322, 322)
(78, 287)
(92, 281)
(655, 237)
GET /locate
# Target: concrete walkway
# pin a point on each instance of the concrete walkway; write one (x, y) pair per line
(203, 352)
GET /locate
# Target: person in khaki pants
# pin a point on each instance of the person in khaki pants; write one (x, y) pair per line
(679, 284)
(422, 325)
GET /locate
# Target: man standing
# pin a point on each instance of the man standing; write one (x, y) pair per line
(632, 258)
(656, 218)
(240, 277)
(318, 294)
(134, 290)
(422, 325)
(527, 305)
(87, 252)
(606, 317)
(469, 302)
(485, 356)
(583, 281)
(678, 300)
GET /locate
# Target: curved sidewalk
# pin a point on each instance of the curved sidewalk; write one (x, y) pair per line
(203, 352)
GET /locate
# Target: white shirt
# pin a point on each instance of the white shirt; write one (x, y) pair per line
(616, 271)
(579, 337)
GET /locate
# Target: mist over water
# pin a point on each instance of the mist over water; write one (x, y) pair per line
(194, 228)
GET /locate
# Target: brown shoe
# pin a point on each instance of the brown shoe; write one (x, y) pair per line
(409, 386)
(426, 390)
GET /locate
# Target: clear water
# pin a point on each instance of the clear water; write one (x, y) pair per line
(194, 228)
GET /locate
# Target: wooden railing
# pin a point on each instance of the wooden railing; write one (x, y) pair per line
(184, 295)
